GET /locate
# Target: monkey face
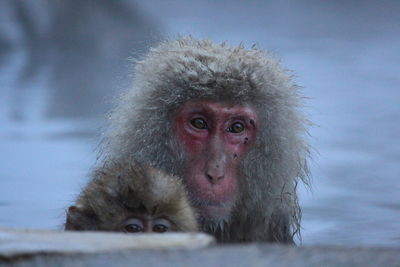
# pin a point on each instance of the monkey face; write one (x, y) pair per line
(215, 136)
(147, 225)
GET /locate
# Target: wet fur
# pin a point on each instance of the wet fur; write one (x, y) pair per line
(141, 127)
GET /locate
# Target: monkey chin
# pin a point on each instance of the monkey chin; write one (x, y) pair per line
(214, 211)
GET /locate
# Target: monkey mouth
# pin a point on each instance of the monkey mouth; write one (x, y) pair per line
(216, 212)
(212, 209)
(206, 194)
(211, 199)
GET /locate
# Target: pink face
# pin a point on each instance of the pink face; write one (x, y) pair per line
(215, 136)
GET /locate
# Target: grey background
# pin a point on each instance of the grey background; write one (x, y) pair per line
(62, 62)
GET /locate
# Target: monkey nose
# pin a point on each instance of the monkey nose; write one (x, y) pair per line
(214, 178)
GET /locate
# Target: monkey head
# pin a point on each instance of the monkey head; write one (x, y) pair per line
(228, 121)
(132, 198)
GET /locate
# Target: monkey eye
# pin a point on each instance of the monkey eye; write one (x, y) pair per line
(237, 127)
(199, 123)
(133, 228)
(160, 228)
(161, 225)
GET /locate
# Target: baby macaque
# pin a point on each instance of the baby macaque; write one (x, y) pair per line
(132, 199)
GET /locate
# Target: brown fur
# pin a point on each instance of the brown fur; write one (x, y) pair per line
(120, 191)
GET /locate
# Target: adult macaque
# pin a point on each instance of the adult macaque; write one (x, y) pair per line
(228, 121)
(129, 198)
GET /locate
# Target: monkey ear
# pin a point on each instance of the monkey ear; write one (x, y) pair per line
(79, 219)
(74, 210)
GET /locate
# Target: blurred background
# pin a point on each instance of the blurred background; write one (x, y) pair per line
(62, 62)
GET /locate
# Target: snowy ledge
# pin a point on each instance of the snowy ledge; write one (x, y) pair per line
(57, 248)
(15, 242)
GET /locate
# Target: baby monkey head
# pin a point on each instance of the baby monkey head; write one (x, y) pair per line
(132, 198)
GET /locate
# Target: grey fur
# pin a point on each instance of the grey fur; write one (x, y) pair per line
(177, 71)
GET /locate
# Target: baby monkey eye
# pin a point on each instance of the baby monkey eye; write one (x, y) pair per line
(199, 123)
(133, 228)
(237, 127)
(160, 228)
